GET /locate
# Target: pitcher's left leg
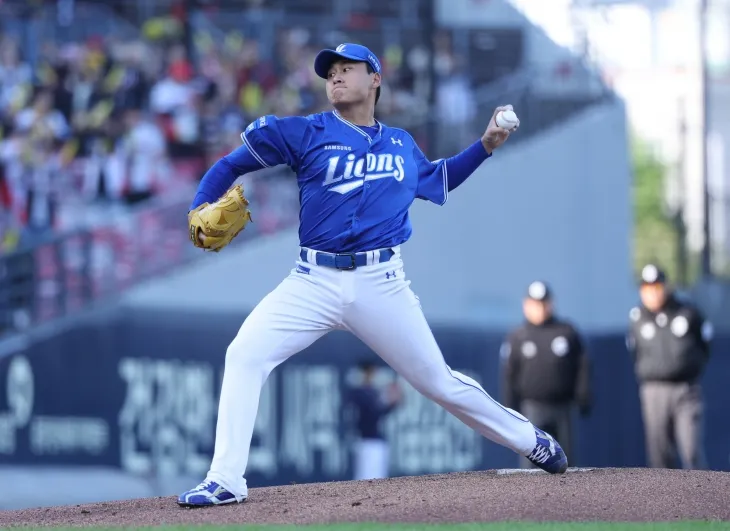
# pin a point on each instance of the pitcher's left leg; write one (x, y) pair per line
(386, 315)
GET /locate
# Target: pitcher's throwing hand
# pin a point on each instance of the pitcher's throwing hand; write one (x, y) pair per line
(495, 135)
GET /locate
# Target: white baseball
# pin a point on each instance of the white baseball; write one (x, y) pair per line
(507, 120)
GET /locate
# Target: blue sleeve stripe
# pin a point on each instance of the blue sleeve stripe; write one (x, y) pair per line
(253, 152)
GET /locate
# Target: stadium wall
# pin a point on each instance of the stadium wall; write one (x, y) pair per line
(130, 404)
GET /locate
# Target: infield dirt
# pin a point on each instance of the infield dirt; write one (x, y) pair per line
(580, 495)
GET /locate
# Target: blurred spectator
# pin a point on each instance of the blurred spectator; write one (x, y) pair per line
(175, 90)
(40, 121)
(124, 119)
(43, 182)
(140, 158)
(455, 102)
(371, 405)
(14, 78)
(546, 370)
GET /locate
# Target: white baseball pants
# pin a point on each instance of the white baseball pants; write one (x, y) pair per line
(376, 304)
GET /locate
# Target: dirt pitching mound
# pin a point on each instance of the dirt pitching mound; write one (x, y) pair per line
(581, 494)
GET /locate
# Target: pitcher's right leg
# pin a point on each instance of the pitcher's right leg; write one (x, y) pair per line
(300, 310)
(386, 315)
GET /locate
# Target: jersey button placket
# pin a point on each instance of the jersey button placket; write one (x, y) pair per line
(366, 183)
(365, 186)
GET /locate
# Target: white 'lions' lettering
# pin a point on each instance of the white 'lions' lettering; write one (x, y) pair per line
(357, 171)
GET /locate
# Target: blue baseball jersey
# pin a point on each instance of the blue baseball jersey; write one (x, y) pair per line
(355, 186)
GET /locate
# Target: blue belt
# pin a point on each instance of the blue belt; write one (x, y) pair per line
(345, 261)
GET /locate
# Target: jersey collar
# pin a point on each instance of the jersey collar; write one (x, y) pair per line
(358, 129)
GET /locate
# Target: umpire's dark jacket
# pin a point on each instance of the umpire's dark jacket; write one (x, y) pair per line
(671, 345)
(545, 363)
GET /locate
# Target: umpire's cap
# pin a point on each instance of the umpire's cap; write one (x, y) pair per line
(652, 274)
(353, 52)
(539, 291)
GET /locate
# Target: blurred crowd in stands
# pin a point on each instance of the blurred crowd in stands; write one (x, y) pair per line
(109, 122)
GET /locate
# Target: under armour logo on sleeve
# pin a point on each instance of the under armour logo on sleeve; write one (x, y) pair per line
(396, 141)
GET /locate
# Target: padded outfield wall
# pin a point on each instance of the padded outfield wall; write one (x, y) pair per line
(137, 393)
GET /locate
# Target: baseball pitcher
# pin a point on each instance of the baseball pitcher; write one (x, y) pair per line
(357, 179)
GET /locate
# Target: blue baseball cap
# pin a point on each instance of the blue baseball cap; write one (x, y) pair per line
(353, 52)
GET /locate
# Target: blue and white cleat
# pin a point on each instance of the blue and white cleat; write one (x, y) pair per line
(207, 494)
(548, 454)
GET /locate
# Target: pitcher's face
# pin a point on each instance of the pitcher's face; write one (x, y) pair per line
(350, 82)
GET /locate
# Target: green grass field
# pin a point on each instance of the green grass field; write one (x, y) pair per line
(502, 526)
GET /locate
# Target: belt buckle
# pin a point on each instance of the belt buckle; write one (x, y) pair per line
(352, 264)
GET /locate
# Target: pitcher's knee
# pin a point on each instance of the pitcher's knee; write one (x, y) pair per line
(243, 353)
(432, 386)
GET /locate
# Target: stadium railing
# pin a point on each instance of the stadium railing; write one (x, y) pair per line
(67, 273)
(541, 98)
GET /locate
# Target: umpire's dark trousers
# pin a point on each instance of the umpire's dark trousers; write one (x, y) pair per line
(556, 419)
(673, 424)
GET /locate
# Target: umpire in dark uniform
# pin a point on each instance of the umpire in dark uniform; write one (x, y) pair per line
(545, 369)
(669, 341)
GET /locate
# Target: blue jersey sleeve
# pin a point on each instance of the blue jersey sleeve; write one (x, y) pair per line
(222, 174)
(274, 141)
(432, 178)
(436, 179)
